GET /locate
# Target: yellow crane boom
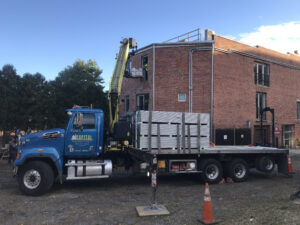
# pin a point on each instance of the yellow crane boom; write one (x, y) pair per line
(117, 79)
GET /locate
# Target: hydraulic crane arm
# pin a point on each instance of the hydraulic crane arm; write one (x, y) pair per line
(117, 79)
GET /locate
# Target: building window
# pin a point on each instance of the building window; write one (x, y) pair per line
(261, 74)
(142, 102)
(181, 97)
(145, 67)
(298, 110)
(261, 102)
(127, 103)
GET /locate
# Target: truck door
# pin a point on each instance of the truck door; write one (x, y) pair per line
(81, 137)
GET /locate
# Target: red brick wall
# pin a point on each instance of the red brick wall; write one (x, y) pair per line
(234, 87)
(172, 78)
(235, 90)
(134, 86)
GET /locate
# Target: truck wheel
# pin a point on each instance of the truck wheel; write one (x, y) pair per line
(212, 171)
(265, 164)
(35, 178)
(238, 170)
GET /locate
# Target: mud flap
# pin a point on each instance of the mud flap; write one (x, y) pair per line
(282, 162)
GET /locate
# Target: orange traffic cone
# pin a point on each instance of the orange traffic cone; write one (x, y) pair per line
(290, 164)
(207, 217)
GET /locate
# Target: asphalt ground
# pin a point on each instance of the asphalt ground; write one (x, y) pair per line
(262, 199)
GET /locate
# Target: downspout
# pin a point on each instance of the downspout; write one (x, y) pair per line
(153, 78)
(212, 92)
(191, 73)
(191, 80)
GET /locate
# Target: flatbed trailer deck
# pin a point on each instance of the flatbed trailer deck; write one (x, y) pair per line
(231, 150)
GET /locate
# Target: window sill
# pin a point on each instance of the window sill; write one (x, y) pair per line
(261, 86)
(258, 120)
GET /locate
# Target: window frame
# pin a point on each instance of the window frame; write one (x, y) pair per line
(261, 74)
(259, 107)
(138, 106)
(179, 100)
(83, 119)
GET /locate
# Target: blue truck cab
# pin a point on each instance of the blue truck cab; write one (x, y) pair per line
(75, 151)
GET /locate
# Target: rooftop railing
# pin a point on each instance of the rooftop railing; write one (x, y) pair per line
(192, 36)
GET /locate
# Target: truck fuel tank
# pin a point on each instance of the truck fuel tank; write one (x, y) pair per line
(88, 169)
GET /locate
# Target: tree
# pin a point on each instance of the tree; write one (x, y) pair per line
(9, 99)
(31, 101)
(80, 84)
(34, 101)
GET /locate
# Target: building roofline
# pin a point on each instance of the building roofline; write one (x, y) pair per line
(258, 46)
(174, 44)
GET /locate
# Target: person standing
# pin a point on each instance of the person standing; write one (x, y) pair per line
(12, 149)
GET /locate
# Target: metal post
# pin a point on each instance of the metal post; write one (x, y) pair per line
(154, 209)
(154, 181)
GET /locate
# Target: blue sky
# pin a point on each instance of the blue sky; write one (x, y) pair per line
(47, 35)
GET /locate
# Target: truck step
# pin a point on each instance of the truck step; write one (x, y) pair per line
(85, 164)
(87, 177)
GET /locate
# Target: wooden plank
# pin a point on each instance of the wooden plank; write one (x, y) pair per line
(158, 210)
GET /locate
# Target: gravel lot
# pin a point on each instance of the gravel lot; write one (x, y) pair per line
(263, 199)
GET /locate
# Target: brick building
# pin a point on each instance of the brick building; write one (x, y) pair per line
(230, 80)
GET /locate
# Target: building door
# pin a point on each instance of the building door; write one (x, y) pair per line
(287, 135)
(262, 136)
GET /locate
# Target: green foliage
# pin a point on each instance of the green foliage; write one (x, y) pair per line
(31, 101)
(80, 84)
(9, 97)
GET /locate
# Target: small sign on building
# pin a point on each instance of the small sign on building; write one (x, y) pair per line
(276, 131)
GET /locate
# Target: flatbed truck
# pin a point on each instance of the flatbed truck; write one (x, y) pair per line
(83, 150)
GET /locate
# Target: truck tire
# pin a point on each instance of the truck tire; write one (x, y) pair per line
(35, 178)
(265, 164)
(211, 171)
(238, 170)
